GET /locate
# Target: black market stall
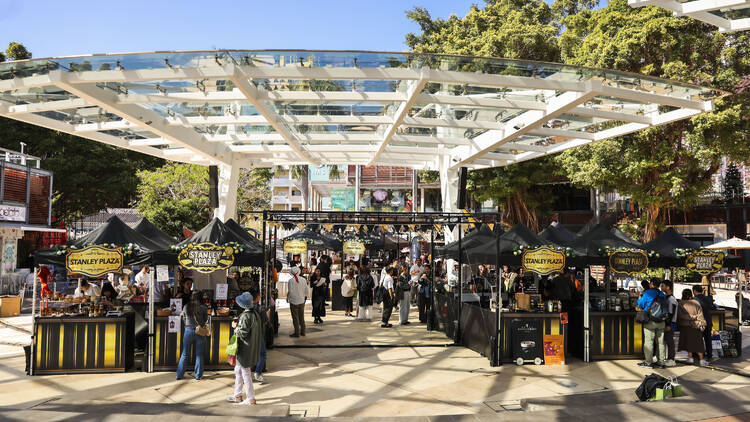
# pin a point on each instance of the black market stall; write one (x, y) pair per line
(150, 231)
(75, 334)
(208, 253)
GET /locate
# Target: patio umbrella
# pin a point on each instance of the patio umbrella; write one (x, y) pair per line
(734, 243)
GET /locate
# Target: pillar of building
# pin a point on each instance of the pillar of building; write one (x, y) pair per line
(448, 192)
(229, 177)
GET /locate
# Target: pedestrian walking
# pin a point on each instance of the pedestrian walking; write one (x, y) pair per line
(403, 294)
(348, 286)
(296, 296)
(707, 303)
(249, 332)
(670, 325)
(195, 317)
(423, 294)
(319, 286)
(388, 297)
(365, 285)
(692, 324)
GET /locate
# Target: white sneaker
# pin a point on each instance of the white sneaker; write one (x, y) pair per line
(669, 363)
(703, 362)
(259, 378)
(690, 361)
(234, 399)
(246, 402)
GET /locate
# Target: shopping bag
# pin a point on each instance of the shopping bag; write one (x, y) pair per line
(232, 346)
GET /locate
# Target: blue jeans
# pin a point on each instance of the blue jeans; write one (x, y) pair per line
(262, 360)
(188, 340)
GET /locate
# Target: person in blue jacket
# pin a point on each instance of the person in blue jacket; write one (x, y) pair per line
(651, 329)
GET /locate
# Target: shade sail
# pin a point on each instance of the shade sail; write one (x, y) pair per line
(113, 231)
(149, 230)
(264, 108)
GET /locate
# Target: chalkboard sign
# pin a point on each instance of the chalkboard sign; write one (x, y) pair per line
(630, 261)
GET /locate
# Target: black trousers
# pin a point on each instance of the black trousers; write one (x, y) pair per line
(387, 308)
(423, 304)
(707, 341)
(669, 343)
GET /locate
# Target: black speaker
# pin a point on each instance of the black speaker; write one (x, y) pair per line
(462, 173)
(213, 187)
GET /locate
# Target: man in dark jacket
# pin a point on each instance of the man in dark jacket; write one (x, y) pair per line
(707, 303)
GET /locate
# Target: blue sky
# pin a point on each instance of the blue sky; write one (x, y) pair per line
(58, 28)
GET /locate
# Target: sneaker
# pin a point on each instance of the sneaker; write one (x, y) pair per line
(389, 325)
(703, 362)
(658, 365)
(294, 335)
(259, 378)
(406, 323)
(645, 365)
(690, 361)
(246, 402)
(234, 399)
(669, 363)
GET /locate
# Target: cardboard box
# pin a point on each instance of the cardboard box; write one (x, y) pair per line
(10, 306)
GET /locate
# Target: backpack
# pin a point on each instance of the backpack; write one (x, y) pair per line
(648, 387)
(403, 284)
(380, 293)
(659, 308)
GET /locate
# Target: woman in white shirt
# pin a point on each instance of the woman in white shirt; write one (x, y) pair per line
(347, 291)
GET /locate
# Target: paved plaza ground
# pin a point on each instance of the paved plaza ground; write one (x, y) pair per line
(422, 379)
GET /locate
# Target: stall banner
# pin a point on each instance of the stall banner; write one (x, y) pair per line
(554, 349)
(342, 199)
(94, 260)
(206, 257)
(295, 246)
(354, 247)
(543, 260)
(704, 261)
(628, 261)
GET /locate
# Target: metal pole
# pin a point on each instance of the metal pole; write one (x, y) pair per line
(586, 322)
(431, 317)
(151, 322)
(457, 334)
(265, 285)
(499, 304)
(33, 323)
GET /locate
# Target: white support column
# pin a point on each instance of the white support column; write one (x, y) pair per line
(448, 192)
(229, 177)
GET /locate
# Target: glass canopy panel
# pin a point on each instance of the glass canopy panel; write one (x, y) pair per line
(35, 95)
(736, 12)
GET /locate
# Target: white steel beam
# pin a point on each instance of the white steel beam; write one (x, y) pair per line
(522, 124)
(415, 87)
(48, 106)
(144, 118)
(241, 80)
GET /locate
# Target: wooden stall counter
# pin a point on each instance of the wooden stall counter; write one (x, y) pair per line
(169, 345)
(68, 345)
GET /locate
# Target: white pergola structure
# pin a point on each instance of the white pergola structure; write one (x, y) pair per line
(262, 108)
(727, 15)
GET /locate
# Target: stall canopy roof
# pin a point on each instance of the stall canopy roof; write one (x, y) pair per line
(113, 231)
(599, 237)
(727, 15)
(149, 230)
(262, 108)
(315, 240)
(668, 241)
(558, 234)
(243, 233)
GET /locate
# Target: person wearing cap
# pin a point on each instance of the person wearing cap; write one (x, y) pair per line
(296, 296)
(249, 332)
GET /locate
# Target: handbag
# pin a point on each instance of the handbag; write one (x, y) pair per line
(205, 329)
(232, 350)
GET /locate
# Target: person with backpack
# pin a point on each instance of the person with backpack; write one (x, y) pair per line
(692, 324)
(365, 286)
(655, 305)
(403, 295)
(348, 286)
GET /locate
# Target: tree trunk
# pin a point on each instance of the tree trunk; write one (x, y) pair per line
(652, 214)
(516, 211)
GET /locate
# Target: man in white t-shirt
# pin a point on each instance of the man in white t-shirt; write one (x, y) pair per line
(296, 296)
(88, 289)
(141, 279)
(387, 283)
(416, 271)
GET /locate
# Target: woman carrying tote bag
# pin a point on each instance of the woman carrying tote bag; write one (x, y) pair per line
(249, 332)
